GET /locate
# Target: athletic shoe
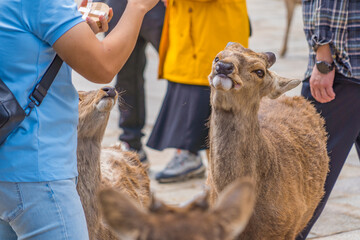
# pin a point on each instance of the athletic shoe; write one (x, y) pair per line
(184, 165)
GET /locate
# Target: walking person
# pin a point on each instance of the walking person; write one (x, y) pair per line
(130, 79)
(38, 166)
(332, 80)
(194, 32)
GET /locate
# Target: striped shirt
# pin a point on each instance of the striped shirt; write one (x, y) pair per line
(337, 23)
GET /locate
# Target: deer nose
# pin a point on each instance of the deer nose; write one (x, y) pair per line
(110, 91)
(224, 68)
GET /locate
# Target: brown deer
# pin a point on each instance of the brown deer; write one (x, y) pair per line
(118, 169)
(195, 221)
(278, 142)
(290, 7)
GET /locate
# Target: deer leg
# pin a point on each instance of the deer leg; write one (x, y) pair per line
(290, 6)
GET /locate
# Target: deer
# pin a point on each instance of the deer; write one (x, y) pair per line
(278, 141)
(100, 167)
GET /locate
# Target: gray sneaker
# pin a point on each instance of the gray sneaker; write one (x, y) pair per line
(184, 165)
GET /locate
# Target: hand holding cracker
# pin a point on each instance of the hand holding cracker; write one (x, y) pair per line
(98, 16)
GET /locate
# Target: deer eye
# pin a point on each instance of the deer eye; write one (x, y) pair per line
(260, 73)
(216, 59)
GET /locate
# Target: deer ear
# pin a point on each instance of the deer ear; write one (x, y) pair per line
(235, 206)
(282, 85)
(120, 212)
(271, 58)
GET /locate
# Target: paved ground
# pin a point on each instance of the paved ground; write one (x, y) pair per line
(341, 217)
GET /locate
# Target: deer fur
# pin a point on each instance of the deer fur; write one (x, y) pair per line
(133, 180)
(290, 7)
(278, 142)
(121, 170)
(195, 221)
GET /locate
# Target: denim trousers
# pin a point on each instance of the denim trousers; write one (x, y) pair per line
(342, 123)
(41, 211)
(130, 79)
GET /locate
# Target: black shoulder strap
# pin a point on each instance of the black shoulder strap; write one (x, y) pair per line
(43, 86)
(40, 91)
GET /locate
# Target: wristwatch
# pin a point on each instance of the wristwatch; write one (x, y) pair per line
(324, 67)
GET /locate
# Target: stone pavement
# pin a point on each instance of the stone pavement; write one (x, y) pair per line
(341, 217)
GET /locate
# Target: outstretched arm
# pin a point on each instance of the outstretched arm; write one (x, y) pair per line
(99, 61)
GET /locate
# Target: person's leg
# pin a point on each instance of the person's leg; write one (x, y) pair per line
(130, 80)
(47, 210)
(10, 207)
(130, 85)
(357, 145)
(6, 231)
(342, 117)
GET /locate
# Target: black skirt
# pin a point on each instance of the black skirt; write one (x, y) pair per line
(182, 121)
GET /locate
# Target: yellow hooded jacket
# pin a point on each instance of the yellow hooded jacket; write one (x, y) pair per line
(194, 32)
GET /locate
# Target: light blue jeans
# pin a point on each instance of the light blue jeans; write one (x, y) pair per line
(41, 211)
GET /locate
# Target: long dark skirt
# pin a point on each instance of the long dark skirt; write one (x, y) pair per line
(182, 121)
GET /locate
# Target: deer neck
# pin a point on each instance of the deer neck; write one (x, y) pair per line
(235, 141)
(89, 181)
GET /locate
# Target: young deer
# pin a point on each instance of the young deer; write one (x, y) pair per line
(196, 221)
(281, 143)
(103, 167)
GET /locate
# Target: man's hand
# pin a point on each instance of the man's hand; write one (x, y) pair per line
(321, 85)
(104, 22)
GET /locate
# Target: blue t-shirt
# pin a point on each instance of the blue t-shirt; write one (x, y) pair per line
(43, 148)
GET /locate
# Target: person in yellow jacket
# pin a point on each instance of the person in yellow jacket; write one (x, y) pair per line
(194, 32)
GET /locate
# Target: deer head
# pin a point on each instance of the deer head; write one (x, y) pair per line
(195, 221)
(240, 72)
(94, 111)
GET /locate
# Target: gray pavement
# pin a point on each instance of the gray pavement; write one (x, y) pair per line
(341, 217)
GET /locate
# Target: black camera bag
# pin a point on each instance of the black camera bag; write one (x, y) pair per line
(11, 113)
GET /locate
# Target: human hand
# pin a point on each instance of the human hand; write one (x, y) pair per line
(144, 5)
(104, 26)
(321, 85)
(165, 2)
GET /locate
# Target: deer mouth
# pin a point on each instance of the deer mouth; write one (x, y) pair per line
(224, 82)
(105, 104)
